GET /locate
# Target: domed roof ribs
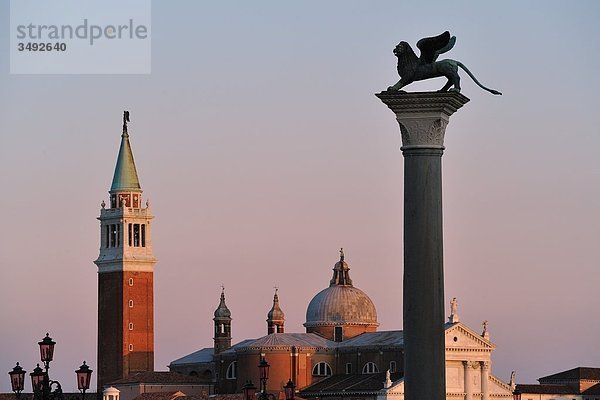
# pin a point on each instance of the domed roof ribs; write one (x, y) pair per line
(341, 274)
(125, 176)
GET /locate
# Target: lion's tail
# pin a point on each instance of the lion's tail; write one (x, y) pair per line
(464, 68)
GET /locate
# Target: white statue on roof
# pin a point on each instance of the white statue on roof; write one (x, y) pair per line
(453, 318)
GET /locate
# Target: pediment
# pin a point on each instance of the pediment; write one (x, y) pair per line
(461, 337)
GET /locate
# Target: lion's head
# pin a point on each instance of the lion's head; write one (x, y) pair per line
(401, 49)
(407, 59)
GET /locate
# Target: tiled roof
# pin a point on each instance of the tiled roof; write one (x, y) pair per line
(546, 389)
(379, 339)
(159, 396)
(594, 390)
(290, 339)
(236, 346)
(348, 384)
(161, 377)
(574, 374)
(201, 356)
(233, 396)
(274, 340)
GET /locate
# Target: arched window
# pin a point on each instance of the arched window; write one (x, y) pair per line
(322, 369)
(231, 371)
(392, 366)
(370, 368)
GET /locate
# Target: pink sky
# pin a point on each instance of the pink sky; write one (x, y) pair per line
(263, 150)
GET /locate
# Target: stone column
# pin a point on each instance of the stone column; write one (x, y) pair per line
(423, 118)
(468, 380)
(485, 378)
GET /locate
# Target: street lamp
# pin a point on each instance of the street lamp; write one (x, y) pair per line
(41, 382)
(84, 376)
(249, 390)
(47, 350)
(17, 380)
(517, 394)
(37, 379)
(263, 368)
(290, 389)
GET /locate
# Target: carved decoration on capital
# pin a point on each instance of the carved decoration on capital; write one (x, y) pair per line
(423, 132)
(485, 365)
(471, 364)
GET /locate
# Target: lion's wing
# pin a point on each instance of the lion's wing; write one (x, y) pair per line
(432, 47)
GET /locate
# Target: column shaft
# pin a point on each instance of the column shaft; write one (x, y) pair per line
(485, 378)
(468, 381)
(423, 118)
(424, 349)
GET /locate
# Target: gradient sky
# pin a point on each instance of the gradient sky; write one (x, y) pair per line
(263, 150)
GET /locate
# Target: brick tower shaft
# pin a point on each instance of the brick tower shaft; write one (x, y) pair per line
(125, 276)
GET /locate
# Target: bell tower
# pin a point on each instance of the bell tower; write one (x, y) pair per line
(222, 320)
(125, 275)
(275, 317)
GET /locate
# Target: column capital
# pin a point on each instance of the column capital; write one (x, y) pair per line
(471, 364)
(423, 116)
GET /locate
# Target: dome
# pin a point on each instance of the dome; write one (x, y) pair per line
(275, 314)
(222, 311)
(341, 303)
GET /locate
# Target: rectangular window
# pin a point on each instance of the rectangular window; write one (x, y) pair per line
(338, 335)
(130, 234)
(136, 235)
(107, 235)
(118, 235)
(143, 235)
(392, 366)
(348, 368)
(113, 235)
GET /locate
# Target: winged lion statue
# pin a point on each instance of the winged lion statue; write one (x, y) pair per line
(412, 68)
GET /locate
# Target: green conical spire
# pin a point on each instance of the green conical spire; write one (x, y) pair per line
(125, 177)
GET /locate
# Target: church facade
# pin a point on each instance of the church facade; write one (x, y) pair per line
(341, 354)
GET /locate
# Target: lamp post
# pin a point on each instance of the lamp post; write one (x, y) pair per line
(290, 390)
(84, 376)
(17, 380)
(263, 368)
(250, 390)
(41, 382)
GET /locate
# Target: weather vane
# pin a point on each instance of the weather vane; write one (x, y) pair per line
(125, 120)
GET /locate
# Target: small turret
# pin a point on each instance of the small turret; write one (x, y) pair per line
(222, 322)
(275, 317)
(341, 274)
